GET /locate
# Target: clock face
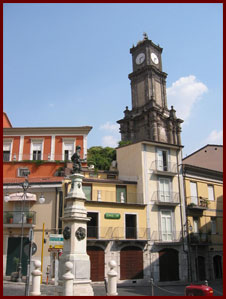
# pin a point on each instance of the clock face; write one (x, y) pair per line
(154, 58)
(140, 58)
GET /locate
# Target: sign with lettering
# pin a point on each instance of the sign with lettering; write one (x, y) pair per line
(56, 241)
(112, 216)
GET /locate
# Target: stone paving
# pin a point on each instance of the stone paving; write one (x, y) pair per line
(18, 289)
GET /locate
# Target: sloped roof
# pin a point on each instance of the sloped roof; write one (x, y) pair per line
(208, 157)
(6, 121)
(39, 180)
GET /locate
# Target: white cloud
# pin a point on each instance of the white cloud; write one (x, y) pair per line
(183, 95)
(110, 141)
(108, 126)
(215, 137)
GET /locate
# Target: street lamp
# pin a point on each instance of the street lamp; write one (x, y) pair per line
(25, 185)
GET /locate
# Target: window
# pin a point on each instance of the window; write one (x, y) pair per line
(121, 193)
(210, 192)
(6, 151)
(193, 190)
(18, 208)
(166, 225)
(162, 160)
(131, 226)
(92, 225)
(164, 190)
(22, 172)
(87, 189)
(213, 225)
(68, 149)
(36, 150)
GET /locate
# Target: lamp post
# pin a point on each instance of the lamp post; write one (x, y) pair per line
(25, 185)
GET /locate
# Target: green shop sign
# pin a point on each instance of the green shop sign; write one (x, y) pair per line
(112, 216)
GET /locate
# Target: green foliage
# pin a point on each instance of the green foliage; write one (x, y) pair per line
(123, 143)
(101, 157)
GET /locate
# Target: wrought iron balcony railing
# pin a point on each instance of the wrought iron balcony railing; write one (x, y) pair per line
(15, 217)
(117, 233)
(114, 196)
(199, 238)
(166, 197)
(166, 236)
(195, 202)
(160, 166)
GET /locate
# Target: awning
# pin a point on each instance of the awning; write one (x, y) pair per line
(20, 196)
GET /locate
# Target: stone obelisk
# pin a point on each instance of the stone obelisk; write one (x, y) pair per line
(75, 235)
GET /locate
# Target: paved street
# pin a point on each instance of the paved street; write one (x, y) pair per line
(18, 289)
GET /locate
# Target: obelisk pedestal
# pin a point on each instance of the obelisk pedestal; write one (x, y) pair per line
(75, 238)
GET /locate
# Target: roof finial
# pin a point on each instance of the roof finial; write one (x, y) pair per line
(145, 36)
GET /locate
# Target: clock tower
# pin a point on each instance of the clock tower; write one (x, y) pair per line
(150, 119)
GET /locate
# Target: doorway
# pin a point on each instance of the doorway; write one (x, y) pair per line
(200, 268)
(13, 252)
(217, 265)
(168, 264)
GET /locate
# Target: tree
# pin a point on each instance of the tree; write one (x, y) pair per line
(101, 157)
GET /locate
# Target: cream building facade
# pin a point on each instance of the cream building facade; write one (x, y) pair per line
(155, 167)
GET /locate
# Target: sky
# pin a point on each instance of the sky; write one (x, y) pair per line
(67, 65)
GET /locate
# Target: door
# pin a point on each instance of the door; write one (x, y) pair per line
(131, 263)
(194, 193)
(96, 255)
(168, 265)
(14, 252)
(166, 225)
(164, 190)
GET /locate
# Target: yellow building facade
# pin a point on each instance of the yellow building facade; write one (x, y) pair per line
(117, 228)
(204, 210)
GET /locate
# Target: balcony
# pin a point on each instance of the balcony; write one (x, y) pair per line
(114, 196)
(116, 233)
(162, 237)
(166, 198)
(14, 219)
(32, 158)
(160, 168)
(199, 238)
(196, 204)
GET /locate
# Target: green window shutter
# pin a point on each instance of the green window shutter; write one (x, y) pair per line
(121, 194)
(88, 191)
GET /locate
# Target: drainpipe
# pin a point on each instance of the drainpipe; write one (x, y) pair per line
(56, 204)
(181, 212)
